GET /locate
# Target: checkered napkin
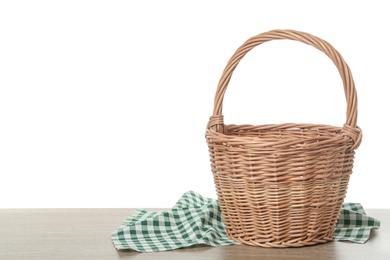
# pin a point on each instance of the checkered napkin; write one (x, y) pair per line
(354, 225)
(197, 220)
(193, 220)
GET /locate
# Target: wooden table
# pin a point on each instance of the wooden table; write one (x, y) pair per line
(85, 234)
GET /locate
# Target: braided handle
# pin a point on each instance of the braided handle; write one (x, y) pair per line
(325, 47)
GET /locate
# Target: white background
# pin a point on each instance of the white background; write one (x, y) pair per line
(105, 103)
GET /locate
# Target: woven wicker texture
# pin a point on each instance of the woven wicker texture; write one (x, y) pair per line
(282, 185)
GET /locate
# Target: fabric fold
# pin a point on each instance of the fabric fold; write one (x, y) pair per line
(193, 220)
(354, 225)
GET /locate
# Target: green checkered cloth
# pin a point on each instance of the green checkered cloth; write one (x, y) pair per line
(354, 225)
(197, 220)
(193, 220)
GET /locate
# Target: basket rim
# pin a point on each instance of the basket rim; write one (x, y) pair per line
(328, 136)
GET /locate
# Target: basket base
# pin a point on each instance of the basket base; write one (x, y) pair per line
(283, 244)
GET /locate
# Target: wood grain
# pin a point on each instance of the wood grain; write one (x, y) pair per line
(85, 234)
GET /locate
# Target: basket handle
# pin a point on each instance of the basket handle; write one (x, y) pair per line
(345, 73)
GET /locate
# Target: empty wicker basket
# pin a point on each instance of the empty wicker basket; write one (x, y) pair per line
(282, 185)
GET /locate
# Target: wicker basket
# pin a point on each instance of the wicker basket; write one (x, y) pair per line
(282, 185)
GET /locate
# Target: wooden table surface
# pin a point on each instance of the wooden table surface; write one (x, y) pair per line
(85, 234)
